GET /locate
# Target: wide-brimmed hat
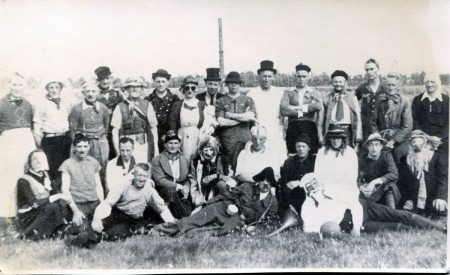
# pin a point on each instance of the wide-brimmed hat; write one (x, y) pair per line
(171, 135)
(266, 174)
(375, 136)
(266, 65)
(212, 74)
(302, 67)
(434, 141)
(336, 131)
(188, 79)
(134, 81)
(102, 72)
(233, 77)
(161, 73)
(339, 73)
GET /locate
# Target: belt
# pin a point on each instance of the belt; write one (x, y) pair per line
(55, 134)
(90, 136)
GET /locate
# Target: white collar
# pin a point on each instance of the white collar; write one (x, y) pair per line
(85, 106)
(437, 95)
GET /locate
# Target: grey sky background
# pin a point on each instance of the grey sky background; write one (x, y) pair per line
(72, 38)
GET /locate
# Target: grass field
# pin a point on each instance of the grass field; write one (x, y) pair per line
(415, 249)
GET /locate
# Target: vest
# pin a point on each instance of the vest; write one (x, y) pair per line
(38, 189)
(133, 123)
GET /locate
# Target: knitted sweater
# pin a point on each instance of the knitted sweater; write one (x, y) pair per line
(15, 115)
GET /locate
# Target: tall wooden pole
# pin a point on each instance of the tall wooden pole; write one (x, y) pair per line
(222, 69)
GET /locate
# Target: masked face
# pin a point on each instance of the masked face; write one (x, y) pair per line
(208, 153)
(417, 144)
(313, 187)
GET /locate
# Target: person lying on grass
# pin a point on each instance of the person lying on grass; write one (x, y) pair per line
(319, 208)
(125, 210)
(246, 204)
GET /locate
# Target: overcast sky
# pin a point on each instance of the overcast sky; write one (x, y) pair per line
(72, 38)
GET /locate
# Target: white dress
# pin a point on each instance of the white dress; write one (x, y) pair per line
(268, 113)
(189, 132)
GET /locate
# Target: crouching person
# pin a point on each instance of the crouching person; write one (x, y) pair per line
(41, 209)
(209, 174)
(122, 212)
(247, 204)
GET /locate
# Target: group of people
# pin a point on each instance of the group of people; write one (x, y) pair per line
(119, 162)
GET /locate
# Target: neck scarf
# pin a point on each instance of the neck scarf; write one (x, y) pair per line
(173, 156)
(15, 100)
(57, 101)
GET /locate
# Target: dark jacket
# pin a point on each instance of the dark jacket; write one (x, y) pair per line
(202, 96)
(431, 117)
(436, 180)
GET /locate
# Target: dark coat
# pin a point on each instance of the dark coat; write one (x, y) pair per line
(431, 117)
(202, 96)
(436, 180)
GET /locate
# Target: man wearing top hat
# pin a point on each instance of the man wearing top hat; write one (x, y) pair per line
(212, 82)
(267, 100)
(342, 108)
(135, 118)
(162, 99)
(378, 175)
(235, 113)
(109, 97)
(303, 106)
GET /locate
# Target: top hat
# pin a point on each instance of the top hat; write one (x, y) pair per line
(339, 73)
(336, 131)
(302, 67)
(212, 74)
(102, 72)
(161, 73)
(266, 65)
(233, 77)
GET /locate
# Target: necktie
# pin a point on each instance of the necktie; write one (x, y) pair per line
(212, 101)
(92, 105)
(340, 109)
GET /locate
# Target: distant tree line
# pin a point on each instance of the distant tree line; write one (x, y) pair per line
(251, 80)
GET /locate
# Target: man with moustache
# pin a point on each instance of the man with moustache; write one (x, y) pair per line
(367, 93)
(16, 142)
(424, 176)
(393, 118)
(162, 99)
(235, 113)
(304, 108)
(135, 118)
(342, 108)
(91, 118)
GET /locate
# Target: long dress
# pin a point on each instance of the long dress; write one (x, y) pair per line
(267, 104)
(189, 118)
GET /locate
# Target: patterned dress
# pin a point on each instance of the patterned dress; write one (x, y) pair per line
(234, 138)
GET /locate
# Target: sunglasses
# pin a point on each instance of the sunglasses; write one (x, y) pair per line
(192, 88)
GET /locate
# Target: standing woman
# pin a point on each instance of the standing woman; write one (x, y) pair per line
(40, 209)
(16, 142)
(186, 117)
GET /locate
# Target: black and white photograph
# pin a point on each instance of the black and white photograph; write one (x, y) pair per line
(224, 136)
